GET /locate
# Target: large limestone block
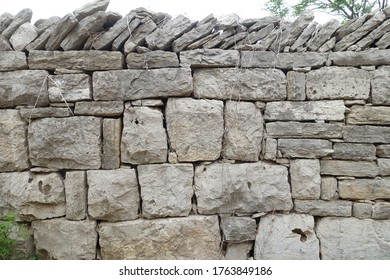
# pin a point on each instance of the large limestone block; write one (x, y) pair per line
(286, 237)
(65, 240)
(349, 168)
(364, 58)
(354, 239)
(45, 112)
(70, 87)
(24, 87)
(243, 131)
(240, 84)
(366, 134)
(65, 143)
(34, 196)
(369, 115)
(384, 166)
(352, 151)
(337, 83)
(111, 155)
(99, 108)
(323, 208)
(304, 148)
(137, 37)
(144, 139)
(13, 142)
(195, 128)
(380, 85)
(210, 58)
(193, 237)
(91, 8)
(304, 130)
(142, 84)
(323, 34)
(332, 110)
(242, 188)
(152, 60)
(113, 194)
(305, 178)
(166, 189)
(10, 61)
(381, 210)
(238, 229)
(76, 195)
(370, 189)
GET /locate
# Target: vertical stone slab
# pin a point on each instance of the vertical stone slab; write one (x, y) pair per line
(380, 85)
(76, 195)
(112, 129)
(296, 86)
(329, 188)
(305, 178)
(270, 150)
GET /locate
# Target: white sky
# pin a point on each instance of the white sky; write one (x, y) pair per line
(194, 9)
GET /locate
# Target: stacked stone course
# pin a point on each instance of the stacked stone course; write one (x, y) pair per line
(159, 142)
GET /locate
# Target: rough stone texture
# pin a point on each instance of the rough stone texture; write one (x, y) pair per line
(144, 139)
(13, 142)
(369, 115)
(366, 134)
(152, 60)
(105, 40)
(40, 42)
(76, 195)
(287, 237)
(166, 190)
(339, 208)
(240, 84)
(24, 35)
(352, 239)
(380, 85)
(374, 35)
(368, 57)
(296, 86)
(137, 37)
(270, 149)
(91, 8)
(329, 189)
(305, 178)
(141, 84)
(362, 210)
(113, 194)
(304, 130)
(195, 128)
(323, 35)
(34, 196)
(383, 42)
(193, 237)
(20, 18)
(45, 112)
(99, 108)
(112, 129)
(63, 27)
(51, 236)
(383, 151)
(353, 151)
(75, 60)
(5, 44)
(370, 189)
(304, 148)
(305, 36)
(69, 87)
(66, 143)
(332, 110)
(242, 188)
(243, 131)
(349, 168)
(5, 21)
(210, 58)
(238, 251)
(120, 41)
(337, 83)
(381, 210)
(238, 229)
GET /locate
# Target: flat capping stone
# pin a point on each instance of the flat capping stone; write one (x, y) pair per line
(369, 57)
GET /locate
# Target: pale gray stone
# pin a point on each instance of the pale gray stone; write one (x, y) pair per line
(144, 139)
(166, 189)
(238, 229)
(152, 60)
(304, 148)
(112, 129)
(381, 210)
(383, 151)
(304, 130)
(338, 83)
(40, 42)
(45, 112)
(369, 115)
(380, 85)
(20, 18)
(242, 188)
(367, 57)
(328, 45)
(120, 41)
(305, 36)
(240, 84)
(210, 58)
(24, 35)
(374, 35)
(5, 44)
(323, 35)
(138, 36)
(77, 142)
(305, 111)
(384, 166)
(99, 108)
(286, 237)
(365, 189)
(296, 86)
(270, 149)
(167, 239)
(238, 251)
(142, 84)
(76, 195)
(195, 128)
(354, 151)
(305, 178)
(5, 21)
(51, 235)
(243, 131)
(69, 87)
(329, 189)
(353, 239)
(339, 208)
(24, 87)
(383, 42)
(298, 26)
(362, 210)
(113, 194)
(366, 134)
(261, 59)
(91, 8)
(10, 61)
(231, 42)
(349, 168)
(63, 27)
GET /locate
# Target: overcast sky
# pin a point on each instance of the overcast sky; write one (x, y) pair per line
(195, 9)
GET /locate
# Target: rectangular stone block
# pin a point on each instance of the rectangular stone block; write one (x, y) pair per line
(366, 57)
(238, 229)
(210, 58)
(24, 87)
(70, 87)
(338, 83)
(193, 237)
(380, 84)
(332, 110)
(152, 60)
(76, 195)
(381, 210)
(296, 86)
(142, 84)
(45, 112)
(240, 84)
(305, 178)
(304, 130)
(369, 189)
(383, 151)
(349, 168)
(166, 189)
(362, 210)
(65, 143)
(369, 115)
(338, 208)
(329, 188)
(242, 188)
(195, 128)
(366, 134)
(354, 151)
(11, 61)
(270, 149)
(304, 148)
(91, 60)
(99, 108)
(112, 130)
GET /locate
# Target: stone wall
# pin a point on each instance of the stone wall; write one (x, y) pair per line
(169, 151)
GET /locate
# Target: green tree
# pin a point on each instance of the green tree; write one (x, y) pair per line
(10, 234)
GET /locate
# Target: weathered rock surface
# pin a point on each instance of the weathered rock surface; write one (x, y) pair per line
(210, 58)
(5, 21)
(383, 151)
(20, 18)
(152, 60)
(195, 128)
(91, 8)
(374, 35)
(381, 210)
(113, 194)
(24, 35)
(239, 251)
(105, 40)
(69, 87)
(339, 208)
(305, 36)
(304, 130)
(288, 237)
(367, 57)
(369, 115)
(76, 195)
(305, 178)
(166, 190)
(51, 235)
(353, 151)
(362, 210)
(351, 238)
(238, 229)
(323, 35)
(112, 129)
(329, 188)
(370, 189)
(296, 86)
(66, 143)
(45, 112)
(138, 36)
(366, 134)
(349, 168)
(63, 27)
(242, 188)
(380, 85)
(40, 42)
(304, 148)
(193, 237)
(5, 44)
(99, 108)
(144, 139)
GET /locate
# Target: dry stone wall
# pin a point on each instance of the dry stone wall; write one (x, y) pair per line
(170, 139)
